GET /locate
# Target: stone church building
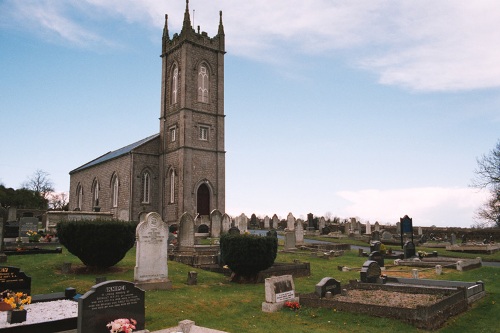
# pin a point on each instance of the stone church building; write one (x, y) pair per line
(182, 168)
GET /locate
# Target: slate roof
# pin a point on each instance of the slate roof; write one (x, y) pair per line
(115, 154)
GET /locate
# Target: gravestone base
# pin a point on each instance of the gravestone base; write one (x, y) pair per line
(275, 307)
(160, 284)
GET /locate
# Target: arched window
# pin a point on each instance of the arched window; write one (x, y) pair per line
(115, 191)
(95, 193)
(79, 197)
(175, 85)
(146, 185)
(172, 186)
(203, 85)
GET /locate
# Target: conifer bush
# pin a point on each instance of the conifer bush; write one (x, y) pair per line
(247, 255)
(97, 243)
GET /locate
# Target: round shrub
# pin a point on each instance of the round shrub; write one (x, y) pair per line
(97, 243)
(247, 255)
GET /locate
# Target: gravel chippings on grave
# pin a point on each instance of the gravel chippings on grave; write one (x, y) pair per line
(45, 311)
(388, 298)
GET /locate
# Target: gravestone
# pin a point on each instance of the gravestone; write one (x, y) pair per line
(310, 222)
(216, 217)
(27, 224)
(420, 231)
(409, 249)
(278, 289)
(276, 222)
(453, 239)
(266, 222)
(272, 233)
(12, 214)
(398, 228)
(322, 223)
(368, 228)
(299, 233)
(151, 268)
(386, 235)
(377, 226)
(375, 246)
(11, 278)
(108, 301)
(290, 222)
(370, 272)
(234, 231)
(290, 243)
(226, 223)
(185, 236)
(327, 284)
(376, 236)
(378, 257)
(243, 223)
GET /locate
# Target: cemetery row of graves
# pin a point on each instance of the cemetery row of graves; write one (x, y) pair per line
(165, 279)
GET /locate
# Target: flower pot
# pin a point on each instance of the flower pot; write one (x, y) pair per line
(16, 316)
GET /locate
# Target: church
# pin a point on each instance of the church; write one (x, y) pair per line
(182, 168)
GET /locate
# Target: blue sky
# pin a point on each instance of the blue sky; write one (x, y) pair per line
(368, 109)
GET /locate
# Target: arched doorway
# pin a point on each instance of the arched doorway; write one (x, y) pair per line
(203, 200)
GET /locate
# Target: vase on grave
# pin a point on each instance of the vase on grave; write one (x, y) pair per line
(16, 316)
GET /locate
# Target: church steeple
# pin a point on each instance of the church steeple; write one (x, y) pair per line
(221, 26)
(186, 25)
(165, 37)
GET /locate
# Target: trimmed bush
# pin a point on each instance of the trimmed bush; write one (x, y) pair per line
(97, 243)
(247, 255)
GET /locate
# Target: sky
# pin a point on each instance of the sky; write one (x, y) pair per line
(370, 109)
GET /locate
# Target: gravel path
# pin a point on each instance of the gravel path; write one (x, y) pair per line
(44, 311)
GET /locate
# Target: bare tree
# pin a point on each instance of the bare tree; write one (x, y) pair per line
(58, 201)
(488, 177)
(39, 183)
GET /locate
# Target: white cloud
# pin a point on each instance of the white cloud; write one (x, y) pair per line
(427, 206)
(421, 45)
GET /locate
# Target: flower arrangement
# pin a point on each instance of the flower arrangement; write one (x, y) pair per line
(33, 236)
(122, 325)
(292, 305)
(16, 300)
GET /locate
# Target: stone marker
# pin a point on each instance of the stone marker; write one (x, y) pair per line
(409, 250)
(368, 228)
(276, 222)
(370, 272)
(192, 278)
(299, 233)
(108, 301)
(12, 278)
(378, 257)
(439, 269)
(151, 269)
(226, 223)
(216, 218)
(290, 222)
(278, 289)
(290, 240)
(327, 285)
(266, 222)
(185, 236)
(27, 224)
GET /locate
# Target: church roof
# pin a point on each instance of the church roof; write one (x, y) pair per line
(114, 154)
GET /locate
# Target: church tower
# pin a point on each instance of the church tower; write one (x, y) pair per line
(192, 155)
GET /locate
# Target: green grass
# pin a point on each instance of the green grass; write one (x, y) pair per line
(217, 303)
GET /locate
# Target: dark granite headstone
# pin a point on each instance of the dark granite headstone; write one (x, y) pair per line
(370, 272)
(12, 278)
(375, 246)
(108, 301)
(409, 250)
(234, 231)
(328, 284)
(378, 257)
(27, 224)
(375, 235)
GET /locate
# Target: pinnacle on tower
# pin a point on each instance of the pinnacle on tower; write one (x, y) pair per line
(221, 26)
(187, 19)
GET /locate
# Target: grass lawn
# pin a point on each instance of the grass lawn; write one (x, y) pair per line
(216, 303)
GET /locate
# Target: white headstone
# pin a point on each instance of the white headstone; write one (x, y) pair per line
(368, 228)
(299, 232)
(276, 222)
(151, 269)
(266, 222)
(278, 289)
(216, 227)
(290, 222)
(226, 223)
(322, 223)
(243, 223)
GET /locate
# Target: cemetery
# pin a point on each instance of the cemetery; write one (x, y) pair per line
(406, 287)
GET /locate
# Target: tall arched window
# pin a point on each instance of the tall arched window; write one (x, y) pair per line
(175, 85)
(115, 191)
(95, 193)
(203, 85)
(146, 185)
(79, 197)
(172, 186)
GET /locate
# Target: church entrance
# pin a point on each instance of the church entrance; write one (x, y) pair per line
(203, 200)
